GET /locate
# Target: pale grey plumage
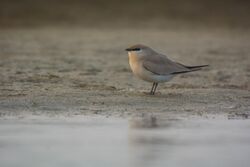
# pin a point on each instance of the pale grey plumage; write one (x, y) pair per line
(161, 65)
(154, 67)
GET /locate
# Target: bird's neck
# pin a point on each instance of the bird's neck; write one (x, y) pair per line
(133, 58)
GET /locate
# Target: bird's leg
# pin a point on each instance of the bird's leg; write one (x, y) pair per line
(152, 89)
(156, 84)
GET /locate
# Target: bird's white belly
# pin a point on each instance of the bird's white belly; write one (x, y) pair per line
(151, 77)
(161, 78)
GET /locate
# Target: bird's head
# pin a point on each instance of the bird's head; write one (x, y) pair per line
(139, 50)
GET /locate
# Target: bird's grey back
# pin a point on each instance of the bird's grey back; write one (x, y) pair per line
(159, 64)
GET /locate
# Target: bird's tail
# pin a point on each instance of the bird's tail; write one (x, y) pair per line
(195, 68)
(191, 68)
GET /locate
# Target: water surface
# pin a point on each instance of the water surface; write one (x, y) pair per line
(116, 142)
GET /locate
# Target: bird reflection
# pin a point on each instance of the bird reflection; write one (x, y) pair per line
(147, 144)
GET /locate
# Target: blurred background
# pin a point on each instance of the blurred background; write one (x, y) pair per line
(130, 13)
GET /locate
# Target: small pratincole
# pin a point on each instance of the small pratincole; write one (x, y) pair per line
(154, 67)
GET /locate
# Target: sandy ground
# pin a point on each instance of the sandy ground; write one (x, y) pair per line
(83, 71)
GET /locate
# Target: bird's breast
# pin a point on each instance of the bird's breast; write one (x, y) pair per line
(133, 62)
(137, 68)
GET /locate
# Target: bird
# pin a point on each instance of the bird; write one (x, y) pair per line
(154, 67)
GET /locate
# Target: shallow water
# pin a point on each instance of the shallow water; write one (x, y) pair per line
(116, 142)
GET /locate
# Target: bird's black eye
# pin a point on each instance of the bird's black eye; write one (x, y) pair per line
(137, 49)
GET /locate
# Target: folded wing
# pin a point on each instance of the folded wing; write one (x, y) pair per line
(161, 65)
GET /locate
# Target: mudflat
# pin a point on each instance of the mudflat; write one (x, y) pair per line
(69, 71)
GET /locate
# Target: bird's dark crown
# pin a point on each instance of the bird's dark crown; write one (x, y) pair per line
(137, 47)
